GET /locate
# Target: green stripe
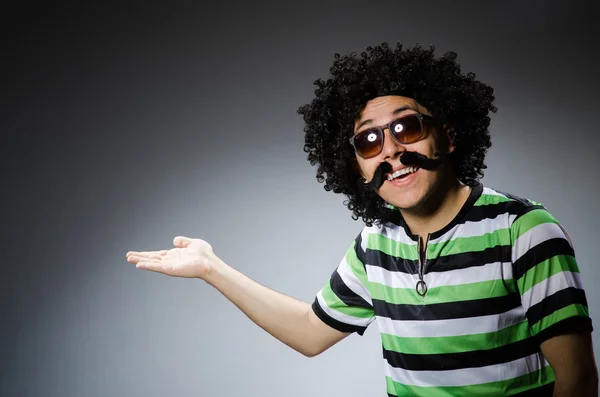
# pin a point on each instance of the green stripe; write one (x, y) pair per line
(356, 266)
(456, 344)
(450, 293)
(501, 388)
(573, 310)
(335, 303)
(469, 244)
(488, 199)
(530, 220)
(392, 247)
(546, 269)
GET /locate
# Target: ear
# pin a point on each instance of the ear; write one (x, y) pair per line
(450, 135)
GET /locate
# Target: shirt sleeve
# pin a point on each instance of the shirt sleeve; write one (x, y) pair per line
(344, 303)
(547, 276)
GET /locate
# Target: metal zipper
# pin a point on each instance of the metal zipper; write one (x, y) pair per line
(421, 286)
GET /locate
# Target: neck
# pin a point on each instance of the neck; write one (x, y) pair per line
(440, 209)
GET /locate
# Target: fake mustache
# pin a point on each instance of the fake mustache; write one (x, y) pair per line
(409, 159)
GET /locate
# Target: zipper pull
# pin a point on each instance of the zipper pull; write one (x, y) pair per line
(421, 288)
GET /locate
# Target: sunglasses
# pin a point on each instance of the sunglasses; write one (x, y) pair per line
(406, 129)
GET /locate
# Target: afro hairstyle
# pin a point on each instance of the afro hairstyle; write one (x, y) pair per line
(453, 98)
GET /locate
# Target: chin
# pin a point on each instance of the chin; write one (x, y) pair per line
(406, 201)
(414, 197)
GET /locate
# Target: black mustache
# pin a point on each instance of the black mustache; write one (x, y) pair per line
(420, 160)
(378, 178)
(408, 159)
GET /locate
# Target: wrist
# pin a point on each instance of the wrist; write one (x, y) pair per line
(216, 269)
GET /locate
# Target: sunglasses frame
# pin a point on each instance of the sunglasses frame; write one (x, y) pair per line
(381, 129)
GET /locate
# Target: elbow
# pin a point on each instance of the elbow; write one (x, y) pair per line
(310, 353)
(313, 351)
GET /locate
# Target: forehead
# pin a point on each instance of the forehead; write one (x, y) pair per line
(381, 108)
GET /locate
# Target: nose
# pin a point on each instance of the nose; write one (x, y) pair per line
(392, 149)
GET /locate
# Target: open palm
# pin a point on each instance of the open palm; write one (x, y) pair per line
(189, 258)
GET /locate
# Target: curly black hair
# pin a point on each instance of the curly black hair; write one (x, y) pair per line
(454, 99)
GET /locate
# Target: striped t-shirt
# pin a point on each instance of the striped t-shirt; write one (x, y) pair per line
(496, 282)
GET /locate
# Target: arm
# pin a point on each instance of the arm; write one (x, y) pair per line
(572, 359)
(552, 294)
(291, 321)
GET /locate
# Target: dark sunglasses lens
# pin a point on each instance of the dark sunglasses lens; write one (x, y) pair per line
(407, 129)
(368, 143)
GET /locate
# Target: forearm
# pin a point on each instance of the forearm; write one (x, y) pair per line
(286, 318)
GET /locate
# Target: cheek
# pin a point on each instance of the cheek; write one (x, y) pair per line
(426, 147)
(361, 167)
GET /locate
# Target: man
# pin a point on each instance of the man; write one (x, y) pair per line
(476, 292)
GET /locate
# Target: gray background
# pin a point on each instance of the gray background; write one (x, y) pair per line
(122, 128)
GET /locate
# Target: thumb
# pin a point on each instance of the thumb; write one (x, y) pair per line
(181, 241)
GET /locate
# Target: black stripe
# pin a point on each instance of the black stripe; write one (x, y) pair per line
(542, 391)
(526, 205)
(378, 258)
(539, 253)
(346, 295)
(333, 323)
(499, 253)
(360, 253)
(492, 211)
(446, 311)
(391, 263)
(470, 359)
(554, 302)
(571, 325)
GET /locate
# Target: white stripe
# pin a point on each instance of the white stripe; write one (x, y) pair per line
(534, 236)
(364, 238)
(475, 229)
(398, 234)
(339, 316)
(551, 285)
(451, 327)
(476, 274)
(566, 235)
(392, 279)
(491, 192)
(352, 282)
(470, 376)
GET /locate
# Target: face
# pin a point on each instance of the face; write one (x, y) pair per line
(413, 190)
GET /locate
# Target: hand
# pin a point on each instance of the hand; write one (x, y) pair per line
(191, 258)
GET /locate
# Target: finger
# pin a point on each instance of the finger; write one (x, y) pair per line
(143, 254)
(136, 259)
(157, 255)
(181, 241)
(152, 266)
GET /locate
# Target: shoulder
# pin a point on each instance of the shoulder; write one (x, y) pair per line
(513, 203)
(521, 209)
(531, 222)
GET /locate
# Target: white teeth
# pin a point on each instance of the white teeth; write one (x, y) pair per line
(404, 171)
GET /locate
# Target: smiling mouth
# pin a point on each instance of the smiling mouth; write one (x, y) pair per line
(403, 173)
